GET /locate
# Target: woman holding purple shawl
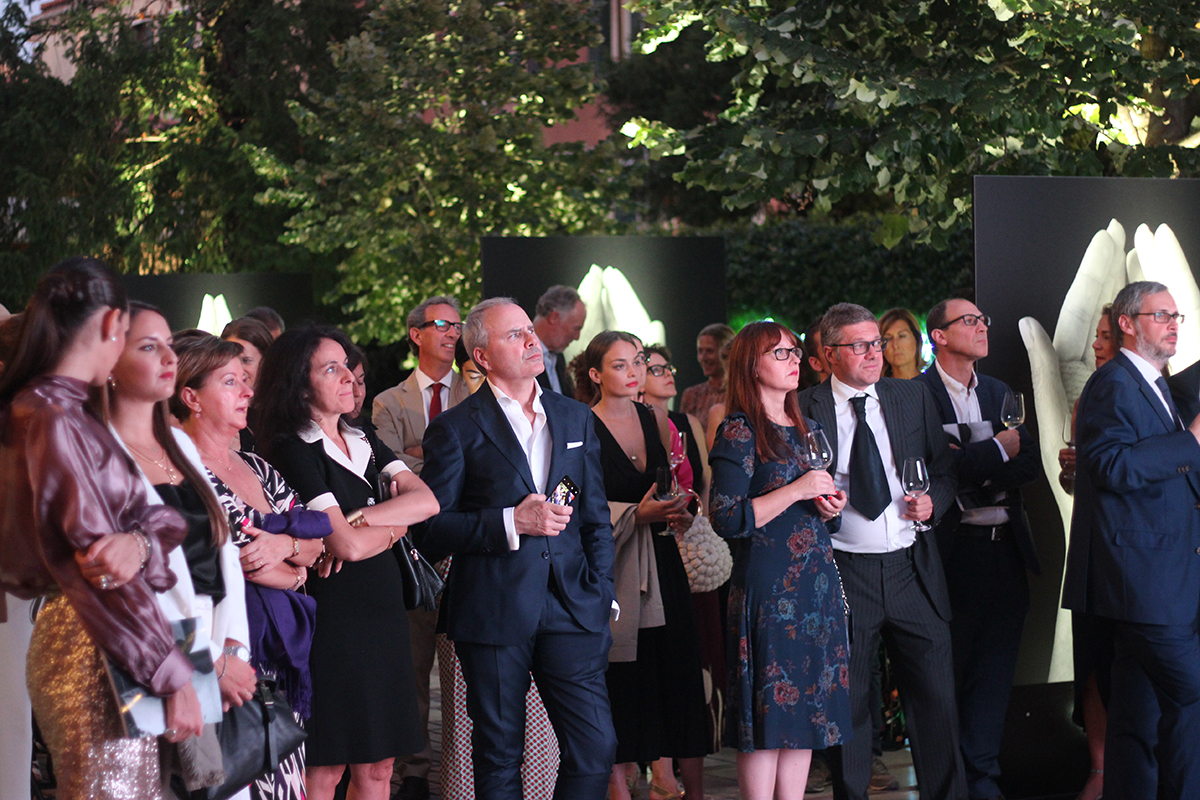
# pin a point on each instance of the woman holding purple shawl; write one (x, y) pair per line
(278, 537)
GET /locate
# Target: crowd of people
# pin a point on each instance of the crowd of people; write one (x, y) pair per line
(871, 501)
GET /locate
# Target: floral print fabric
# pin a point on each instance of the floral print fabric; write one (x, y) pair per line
(788, 653)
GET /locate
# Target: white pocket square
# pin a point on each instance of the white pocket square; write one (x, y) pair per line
(573, 445)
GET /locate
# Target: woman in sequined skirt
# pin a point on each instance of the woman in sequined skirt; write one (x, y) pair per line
(71, 499)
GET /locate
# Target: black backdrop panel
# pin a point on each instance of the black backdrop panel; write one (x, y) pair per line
(680, 281)
(180, 296)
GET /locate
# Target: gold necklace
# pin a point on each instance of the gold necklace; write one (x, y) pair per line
(164, 463)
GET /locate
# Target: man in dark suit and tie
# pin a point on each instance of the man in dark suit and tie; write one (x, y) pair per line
(558, 319)
(984, 538)
(1134, 555)
(531, 588)
(890, 570)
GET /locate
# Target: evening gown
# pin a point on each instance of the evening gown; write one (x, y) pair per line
(788, 654)
(658, 701)
(364, 701)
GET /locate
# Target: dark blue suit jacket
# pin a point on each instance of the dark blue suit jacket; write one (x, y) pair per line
(476, 469)
(1185, 388)
(977, 462)
(1135, 533)
(914, 430)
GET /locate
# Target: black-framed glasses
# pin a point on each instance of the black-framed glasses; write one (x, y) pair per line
(658, 370)
(1160, 316)
(442, 325)
(861, 348)
(782, 353)
(970, 320)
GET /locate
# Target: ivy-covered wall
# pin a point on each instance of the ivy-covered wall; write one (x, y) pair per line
(792, 271)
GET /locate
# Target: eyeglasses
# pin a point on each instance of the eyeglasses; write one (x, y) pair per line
(442, 325)
(782, 353)
(861, 348)
(970, 320)
(1160, 316)
(658, 370)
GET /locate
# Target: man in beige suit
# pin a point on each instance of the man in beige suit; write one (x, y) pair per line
(400, 414)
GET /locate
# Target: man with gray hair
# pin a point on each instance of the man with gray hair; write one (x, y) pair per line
(516, 471)
(401, 414)
(1134, 554)
(889, 564)
(560, 315)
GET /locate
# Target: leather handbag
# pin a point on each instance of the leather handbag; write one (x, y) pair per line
(255, 737)
(422, 584)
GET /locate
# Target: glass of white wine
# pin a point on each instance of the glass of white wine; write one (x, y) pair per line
(1012, 413)
(914, 479)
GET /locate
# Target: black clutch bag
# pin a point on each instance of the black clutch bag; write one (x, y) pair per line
(255, 737)
(422, 584)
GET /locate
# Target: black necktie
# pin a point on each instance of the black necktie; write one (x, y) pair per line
(1161, 383)
(869, 493)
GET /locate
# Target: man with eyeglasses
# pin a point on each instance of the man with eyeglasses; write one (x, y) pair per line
(558, 321)
(984, 537)
(401, 415)
(1134, 554)
(890, 570)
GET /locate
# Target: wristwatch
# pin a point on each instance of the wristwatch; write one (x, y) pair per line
(241, 651)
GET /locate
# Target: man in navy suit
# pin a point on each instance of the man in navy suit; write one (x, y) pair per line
(1134, 554)
(531, 587)
(984, 537)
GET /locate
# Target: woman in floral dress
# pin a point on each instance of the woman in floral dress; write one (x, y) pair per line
(788, 652)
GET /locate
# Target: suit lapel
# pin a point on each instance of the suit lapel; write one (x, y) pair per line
(495, 426)
(890, 407)
(558, 441)
(1148, 392)
(823, 412)
(414, 404)
(941, 395)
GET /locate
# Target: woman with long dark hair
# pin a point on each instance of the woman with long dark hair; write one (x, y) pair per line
(788, 652)
(72, 500)
(364, 705)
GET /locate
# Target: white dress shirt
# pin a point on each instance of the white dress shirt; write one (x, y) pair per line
(965, 401)
(425, 383)
(1149, 373)
(536, 444)
(887, 532)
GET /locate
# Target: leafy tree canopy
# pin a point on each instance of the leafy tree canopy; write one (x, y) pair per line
(432, 137)
(909, 99)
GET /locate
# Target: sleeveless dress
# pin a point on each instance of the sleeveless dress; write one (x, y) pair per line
(658, 702)
(788, 655)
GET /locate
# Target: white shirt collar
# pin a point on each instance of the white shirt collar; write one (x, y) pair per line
(1143, 366)
(843, 392)
(505, 400)
(424, 381)
(356, 442)
(953, 383)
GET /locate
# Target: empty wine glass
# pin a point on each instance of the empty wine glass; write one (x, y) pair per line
(915, 481)
(677, 455)
(817, 450)
(1012, 413)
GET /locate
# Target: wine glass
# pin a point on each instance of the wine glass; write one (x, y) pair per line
(915, 482)
(817, 450)
(1066, 477)
(677, 455)
(1012, 413)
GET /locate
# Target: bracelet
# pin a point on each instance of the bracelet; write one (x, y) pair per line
(224, 666)
(356, 518)
(144, 545)
(295, 547)
(300, 573)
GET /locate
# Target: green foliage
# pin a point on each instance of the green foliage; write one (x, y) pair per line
(144, 156)
(792, 271)
(431, 137)
(908, 99)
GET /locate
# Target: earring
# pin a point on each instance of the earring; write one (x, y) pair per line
(112, 383)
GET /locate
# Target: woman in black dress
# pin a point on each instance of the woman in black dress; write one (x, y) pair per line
(655, 686)
(364, 705)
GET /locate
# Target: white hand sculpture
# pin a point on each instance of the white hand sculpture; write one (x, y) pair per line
(1060, 369)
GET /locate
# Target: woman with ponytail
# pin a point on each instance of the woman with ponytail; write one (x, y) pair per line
(72, 502)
